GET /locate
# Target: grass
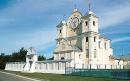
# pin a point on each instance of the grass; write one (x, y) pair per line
(59, 77)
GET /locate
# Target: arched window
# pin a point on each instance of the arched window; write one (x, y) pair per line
(94, 39)
(60, 30)
(86, 23)
(86, 39)
(105, 45)
(94, 53)
(87, 53)
(99, 44)
(94, 23)
(79, 56)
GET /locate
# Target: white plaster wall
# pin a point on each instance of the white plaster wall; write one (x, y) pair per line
(57, 68)
(15, 66)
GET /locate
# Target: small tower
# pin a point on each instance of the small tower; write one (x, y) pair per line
(90, 34)
(61, 29)
(90, 22)
(31, 58)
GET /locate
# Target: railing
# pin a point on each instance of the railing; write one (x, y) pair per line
(121, 72)
(101, 66)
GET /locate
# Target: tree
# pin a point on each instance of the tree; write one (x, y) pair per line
(41, 58)
(19, 56)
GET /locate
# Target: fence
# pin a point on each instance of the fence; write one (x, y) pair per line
(41, 66)
(110, 73)
(101, 66)
(51, 67)
(15, 66)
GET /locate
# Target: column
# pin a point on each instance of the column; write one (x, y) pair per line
(91, 48)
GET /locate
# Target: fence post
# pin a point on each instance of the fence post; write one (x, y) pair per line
(90, 66)
(82, 66)
(105, 66)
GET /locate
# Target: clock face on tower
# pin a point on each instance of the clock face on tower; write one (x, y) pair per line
(74, 22)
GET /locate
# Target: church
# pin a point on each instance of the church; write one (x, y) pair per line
(79, 40)
(78, 45)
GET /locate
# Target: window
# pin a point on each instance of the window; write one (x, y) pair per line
(93, 23)
(105, 45)
(87, 53)
(99, 43)
(62, 58)
(86, 39)
(94, 39)
(94, 53)
(30, 58)
(86, 23)
(60, 30)
(79, 56)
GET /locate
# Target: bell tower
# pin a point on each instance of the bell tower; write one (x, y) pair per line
(90, 22)
(90, 35)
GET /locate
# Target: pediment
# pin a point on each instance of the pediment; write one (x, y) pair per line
(64, 47)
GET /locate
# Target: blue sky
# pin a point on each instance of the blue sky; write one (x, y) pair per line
(25, 23)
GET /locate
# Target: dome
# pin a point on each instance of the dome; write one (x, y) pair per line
(90, 12)
(75, 10)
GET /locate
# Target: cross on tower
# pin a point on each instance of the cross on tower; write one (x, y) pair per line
(89, 5)
(75, 6)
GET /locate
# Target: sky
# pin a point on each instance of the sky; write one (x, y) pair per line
(32, 23)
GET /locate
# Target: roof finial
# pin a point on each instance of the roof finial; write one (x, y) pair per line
(75, 8)
(64, 19)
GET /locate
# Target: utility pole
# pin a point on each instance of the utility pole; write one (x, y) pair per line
(122, 51)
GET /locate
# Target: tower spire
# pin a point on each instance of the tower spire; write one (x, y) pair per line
(89, 5)
(75, 8)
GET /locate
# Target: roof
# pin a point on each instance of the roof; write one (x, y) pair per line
(76, 11)
(61, 24)
(89, 14)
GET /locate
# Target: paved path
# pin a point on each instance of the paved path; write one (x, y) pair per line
(11, 77)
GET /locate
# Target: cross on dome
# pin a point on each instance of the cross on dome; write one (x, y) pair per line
(75, 8)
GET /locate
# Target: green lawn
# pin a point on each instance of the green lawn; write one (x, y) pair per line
(58, 77)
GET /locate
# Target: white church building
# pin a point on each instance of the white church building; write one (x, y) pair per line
(78, 45)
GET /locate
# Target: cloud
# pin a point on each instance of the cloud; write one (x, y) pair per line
(116, 40)
(115, 15)
(39, 39)
(32, 23)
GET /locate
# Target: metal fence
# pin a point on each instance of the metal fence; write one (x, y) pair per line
(109, 73)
